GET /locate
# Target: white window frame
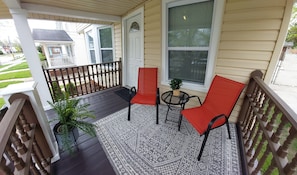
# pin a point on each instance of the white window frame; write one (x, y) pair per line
(112, 41)
(218, 12)
(97, 44)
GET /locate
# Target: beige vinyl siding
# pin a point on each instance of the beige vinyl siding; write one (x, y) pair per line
(249, 37)
(118, 40)
(152, 34)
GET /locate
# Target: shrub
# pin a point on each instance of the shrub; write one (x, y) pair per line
(71, 89)
(57, 92)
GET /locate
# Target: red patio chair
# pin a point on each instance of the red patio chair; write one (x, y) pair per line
(147, 92)
(216, 108)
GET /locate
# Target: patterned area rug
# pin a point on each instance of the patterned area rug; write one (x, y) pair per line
(141, 147)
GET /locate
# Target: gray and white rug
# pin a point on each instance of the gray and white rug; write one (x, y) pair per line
(141, 147)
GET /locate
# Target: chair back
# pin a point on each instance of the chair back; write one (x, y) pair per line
(222, 95)
(147, 81)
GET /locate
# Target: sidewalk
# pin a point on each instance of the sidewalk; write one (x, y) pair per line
(285, 84)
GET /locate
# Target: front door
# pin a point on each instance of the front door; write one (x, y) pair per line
(133, 47)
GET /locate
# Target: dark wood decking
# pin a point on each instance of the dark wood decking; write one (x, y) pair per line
(90, 159)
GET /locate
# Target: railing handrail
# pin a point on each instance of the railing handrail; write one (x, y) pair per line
(83, 65)
(83, 79)
(280, 103)
(8, 121)
(23, 144)
(267, 127)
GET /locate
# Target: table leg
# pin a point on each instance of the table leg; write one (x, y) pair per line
(180, 116)
(167, 112)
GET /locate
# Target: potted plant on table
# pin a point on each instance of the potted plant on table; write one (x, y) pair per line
(70, 118)
(175, 85)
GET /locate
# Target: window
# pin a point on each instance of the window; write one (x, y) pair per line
(100, 44)
(106, 48)
(189, 41)
(90, 41)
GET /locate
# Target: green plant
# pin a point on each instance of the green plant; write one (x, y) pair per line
(71, 89)
(70, 115)
(175, 83)
(57, 92)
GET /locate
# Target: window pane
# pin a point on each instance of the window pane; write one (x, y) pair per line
(105, 38)
(92, 55)
(188, 65)
(107, 56)
(90, 39)
(190, 25)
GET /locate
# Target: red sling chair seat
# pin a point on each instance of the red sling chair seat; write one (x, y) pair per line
(147, 91)
(216, 108)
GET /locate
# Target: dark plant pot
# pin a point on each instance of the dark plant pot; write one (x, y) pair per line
(72, 137)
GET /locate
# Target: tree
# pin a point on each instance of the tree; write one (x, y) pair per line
(292, 31)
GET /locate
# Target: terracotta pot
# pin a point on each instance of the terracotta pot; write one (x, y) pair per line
(176, 92)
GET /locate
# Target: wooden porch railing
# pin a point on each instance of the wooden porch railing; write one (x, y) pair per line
(268, 130)
(23, 148)
(81, 80)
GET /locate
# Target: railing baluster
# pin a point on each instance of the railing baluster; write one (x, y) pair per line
(262, 160)
(39, 154)
(17, 161)
(4, 169)
(20, 147)
(272, 121)
(257, 151)
(283, 149)
(33, 168)
(276, 136)
(24, 122)
(253, 138)
(290, 168)
(38, 163)
(24, 136)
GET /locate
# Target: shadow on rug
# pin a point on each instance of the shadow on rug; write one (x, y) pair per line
(124, 94)
(141, 147)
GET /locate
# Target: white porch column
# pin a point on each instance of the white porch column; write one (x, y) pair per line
(30, 52)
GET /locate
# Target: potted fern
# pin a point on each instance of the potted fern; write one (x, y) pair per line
(70, 118)
(175, 85)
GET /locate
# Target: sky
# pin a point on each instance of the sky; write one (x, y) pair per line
(8, 31)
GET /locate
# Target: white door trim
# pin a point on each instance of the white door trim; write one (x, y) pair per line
(124, 40)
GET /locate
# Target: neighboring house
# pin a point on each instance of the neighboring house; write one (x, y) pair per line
(57, 46)
(190, 39)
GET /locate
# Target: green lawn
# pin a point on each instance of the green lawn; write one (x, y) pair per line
(13, 75)
(5, 84)
(23, 65)
(1, 102)
(1, 66)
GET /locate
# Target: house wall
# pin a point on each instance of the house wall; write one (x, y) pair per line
(252, 35)
(117, 41)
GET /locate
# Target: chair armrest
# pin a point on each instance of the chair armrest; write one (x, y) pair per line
(193, 96)
(215, 119)
(132, 92)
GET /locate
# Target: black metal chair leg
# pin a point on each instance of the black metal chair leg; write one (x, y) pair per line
(203, 144)
(157, 114)
(180, 121)
(129, 109)
(228, 128)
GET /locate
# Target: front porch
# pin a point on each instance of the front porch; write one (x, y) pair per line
(266, 133)
(91, 157)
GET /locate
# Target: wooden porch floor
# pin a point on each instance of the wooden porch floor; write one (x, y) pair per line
(90, 158)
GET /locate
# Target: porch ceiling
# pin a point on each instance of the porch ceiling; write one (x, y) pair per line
(85, 11)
